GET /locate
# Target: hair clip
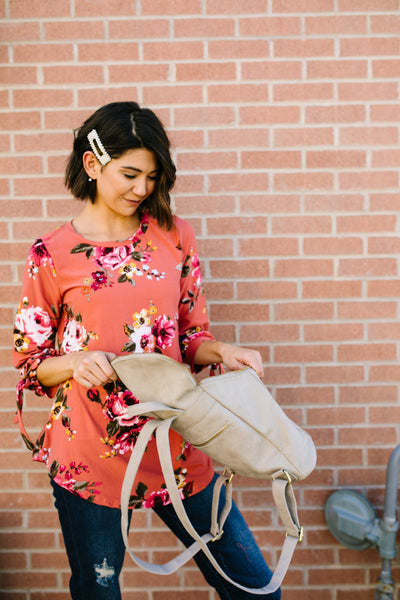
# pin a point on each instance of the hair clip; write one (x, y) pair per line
(98, 148)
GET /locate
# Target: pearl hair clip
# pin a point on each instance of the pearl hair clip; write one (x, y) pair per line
(98, 148)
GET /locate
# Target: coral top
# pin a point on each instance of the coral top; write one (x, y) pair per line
(141, 295)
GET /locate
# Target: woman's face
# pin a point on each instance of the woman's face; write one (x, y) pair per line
(125, 182)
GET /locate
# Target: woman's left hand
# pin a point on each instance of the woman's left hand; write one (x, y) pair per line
(236, 357)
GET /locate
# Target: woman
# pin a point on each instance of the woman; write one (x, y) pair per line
(123, 276)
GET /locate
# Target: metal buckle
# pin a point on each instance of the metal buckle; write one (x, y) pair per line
(288, 476)
(301, 534)
(218, 536)
(232, 475)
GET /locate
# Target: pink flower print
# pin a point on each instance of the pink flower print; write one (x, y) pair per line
(112, 258)
(74, 337)
(196, 272)
(126, 441)
(35, 323)
(147, 343)
(157, 499)
(117, 407)
(164, 331)
(99, 279)
(39, 254)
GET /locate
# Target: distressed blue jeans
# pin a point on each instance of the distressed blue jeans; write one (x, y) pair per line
(95, 549)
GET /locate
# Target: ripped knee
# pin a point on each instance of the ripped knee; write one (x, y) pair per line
(104, 573)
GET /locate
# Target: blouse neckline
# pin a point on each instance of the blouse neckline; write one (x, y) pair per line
(112, 243)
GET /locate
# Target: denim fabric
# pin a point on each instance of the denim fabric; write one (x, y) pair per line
(93, 540)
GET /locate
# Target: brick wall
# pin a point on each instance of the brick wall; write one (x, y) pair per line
(284, 116)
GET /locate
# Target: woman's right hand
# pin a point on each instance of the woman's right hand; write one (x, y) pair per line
(93, 368)
(89, 368)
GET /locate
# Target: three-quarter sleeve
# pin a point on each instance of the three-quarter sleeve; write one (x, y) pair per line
(36, 320)
(193, 317)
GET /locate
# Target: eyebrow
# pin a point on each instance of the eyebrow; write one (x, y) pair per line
(138, 170)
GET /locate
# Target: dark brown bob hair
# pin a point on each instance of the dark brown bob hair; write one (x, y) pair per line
(124, 126)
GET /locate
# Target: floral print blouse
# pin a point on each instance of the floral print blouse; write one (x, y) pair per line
(141, 295)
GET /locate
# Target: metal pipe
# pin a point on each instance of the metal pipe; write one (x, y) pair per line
(389, 525)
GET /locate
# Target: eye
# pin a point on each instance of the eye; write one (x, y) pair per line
(130, 176)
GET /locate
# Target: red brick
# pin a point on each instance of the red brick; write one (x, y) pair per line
(299, 311)
(333, 245)
(170, 51)
(270, 70)
(204, 71)
(238, 48)
(303, 268)
(369, 136)
(300, 92)
(368, 180)
(34, 98)
(341, 159)
(250, 115)
(239, 312)
(335, 374)
(385, 112)
(366, 223)
(45, 9)
(45, 53)
(238, 181)
(334, 202)
(154, 95)
(383, 245)
(303, 353)
(269, 333)
(137, 28)
(19, 32)
(367, 267)
(336, 25)
(209, 205)
(351, 113)
(261, 290)
(269, 26)
(332, 289)
(271, 159)
(311, 396)
(366, 310)
(383, 331)
(114, 51)
(74, 30)
(237, 93)
(204, 116)
(180, 7)
(271, 203)
(228, 138)
(237, 226)
(103, 8)
(356, 91)
(366, 352)
(128, 73)
(206, 27)
(337, 69)
(299, 6)
(385, 24)
(385, 158)
(268, 246)
(205, 161)
(16, 75)
(373, 46)
(303, 181)
(301, 225)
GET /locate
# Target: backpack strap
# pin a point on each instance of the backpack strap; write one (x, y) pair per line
(282, 493)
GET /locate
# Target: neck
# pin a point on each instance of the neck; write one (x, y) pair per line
(93, 224)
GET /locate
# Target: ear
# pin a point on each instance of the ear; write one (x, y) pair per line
(90, 164)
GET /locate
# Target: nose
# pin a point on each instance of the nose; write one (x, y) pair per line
(140, 186)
